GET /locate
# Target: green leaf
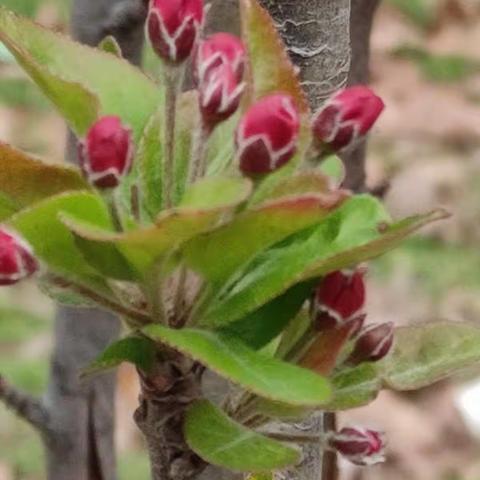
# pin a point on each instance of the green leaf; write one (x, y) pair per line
(262, 326)
(356, 232)
(138, 351)
(62, 294)
(104, 257)
(110, 45)
(25, 180)
(216, 255)
(200, 211)
(73, 75)
(220, 441)
(258, 373)
(150, 163)
(355, 387)
(427, 353)
(333, 168)
(51, 240)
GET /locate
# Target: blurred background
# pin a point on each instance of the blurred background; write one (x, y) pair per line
(426, 66)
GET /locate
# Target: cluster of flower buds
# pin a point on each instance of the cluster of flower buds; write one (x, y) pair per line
(267, 134)
(106, 153)
(358, 445)
(17, 260)
(340, 300)
(346, 118)
(218, 70)
(173, 27)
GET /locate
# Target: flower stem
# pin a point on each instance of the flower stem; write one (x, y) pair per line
(329, 464)
(172, 79)
(198, 159)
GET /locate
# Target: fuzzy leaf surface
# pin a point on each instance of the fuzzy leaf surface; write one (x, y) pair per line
(51, 240)
(427, 353)
(230, 358)
(25, 180)
(138, 351)
(202, 208)
(220, 441)
(216, 255)
(80, 79)
(348, 236)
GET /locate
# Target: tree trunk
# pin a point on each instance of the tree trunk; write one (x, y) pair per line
(80, 444)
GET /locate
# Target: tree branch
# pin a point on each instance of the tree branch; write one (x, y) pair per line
(28, 408)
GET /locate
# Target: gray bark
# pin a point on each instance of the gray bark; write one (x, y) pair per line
(80, 442)
(316, 33)
(363, 12)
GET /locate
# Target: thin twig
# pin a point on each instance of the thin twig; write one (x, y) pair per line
(27, 407)
(135, 318)
(293, 438)
(329, 464)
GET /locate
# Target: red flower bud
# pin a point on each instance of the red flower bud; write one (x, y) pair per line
(219, 95)
(359, 445)
(339, 298)
(267, 135)
(346, 117)
(219, 49)
(16, 258)
(106, 153)
(173, 27)
(373, 343)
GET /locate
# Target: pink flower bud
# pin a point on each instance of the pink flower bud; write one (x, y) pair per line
(346, 117)
(106, 153)
(16, 258)
(173, 27)
(219, 95)
(359, 445)
(339, 299)
(218, 49)
(374, 343)
(267, 135)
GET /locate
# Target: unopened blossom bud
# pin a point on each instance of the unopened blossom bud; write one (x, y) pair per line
(340, 298)
(359, 445)
(106, 153)
(173, 27)
(218, 49)
(267, 135)
(374, 343)
(17, 260)
(346, 117)
(219, 95)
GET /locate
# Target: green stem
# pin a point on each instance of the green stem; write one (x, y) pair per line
(172, 79)
(109, 196)
(154, 291)
(198, 158)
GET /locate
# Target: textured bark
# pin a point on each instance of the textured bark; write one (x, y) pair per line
(363, 12)
(316, 33)
(166, 394)
(80, 442)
